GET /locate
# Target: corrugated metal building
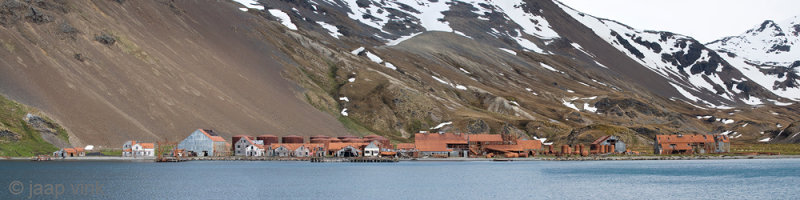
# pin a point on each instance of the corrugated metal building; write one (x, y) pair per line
(689, 144)
(204, 142)
(606, 142)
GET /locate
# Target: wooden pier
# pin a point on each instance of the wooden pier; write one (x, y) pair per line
(170, 159)
(356, 159)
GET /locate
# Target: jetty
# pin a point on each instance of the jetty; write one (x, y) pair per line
(354, 159)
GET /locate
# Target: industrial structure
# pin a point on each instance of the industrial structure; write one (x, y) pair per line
(204, 142)
(441, 144)
(608, 144)
(691, 144)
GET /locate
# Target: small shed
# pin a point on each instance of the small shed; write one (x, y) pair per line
(608, 140)
(372, 150)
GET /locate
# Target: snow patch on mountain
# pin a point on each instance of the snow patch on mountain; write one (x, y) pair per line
(769, 43)
(250, 4)
(548, 67)
(401, 39)
(376, 13)
(283, 18)
(509, 51)
(531, 24)
(689, 66)
(332, 30)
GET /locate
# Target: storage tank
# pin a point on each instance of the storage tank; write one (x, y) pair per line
(335, 140)
(319, 140)
(319, 137)
(354, 140)
(268, 139)
(292, 139)
(611, 149)
(346, 137)
(373, 136)
(565, 149)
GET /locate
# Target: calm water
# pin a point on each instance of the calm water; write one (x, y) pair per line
(703, 179)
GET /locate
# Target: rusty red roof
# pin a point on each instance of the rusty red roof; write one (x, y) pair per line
(406, 146)
(211, 135)
(438, 141)
(693, 138)
(522, 145)
(147, 145)
(601, 139)
(485, 138)
(338, 146)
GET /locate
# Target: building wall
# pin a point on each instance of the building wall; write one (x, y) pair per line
(371, 152)
(198, 142)
(341, 152)
(220, 149)
(282, 152)
(252, 150)
(723, 147)
(127, 145)
(431, 153)
(240, 148)
(301, 152)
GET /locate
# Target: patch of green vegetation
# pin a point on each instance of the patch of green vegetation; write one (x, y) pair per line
(129, 47)
(30, 142)
(414, 127)
(111, 152)
(354, 126)
(8, 46)
(332, 71)
(783, 149)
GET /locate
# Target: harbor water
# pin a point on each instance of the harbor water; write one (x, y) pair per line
(673, 179)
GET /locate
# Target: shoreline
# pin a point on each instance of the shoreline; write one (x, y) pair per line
(588, 158)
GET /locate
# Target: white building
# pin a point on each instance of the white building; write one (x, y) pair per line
(143, 150)
(127, 148)
(255, 150)
(372, 150)
(248, 147)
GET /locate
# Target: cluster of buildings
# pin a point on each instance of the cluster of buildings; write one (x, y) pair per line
(691, 144)
(136, 149)
(70, 152)
(468, 145)
(603, 145)
(207, 143)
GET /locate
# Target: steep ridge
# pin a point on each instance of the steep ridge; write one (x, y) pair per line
(537, 64)
(151, 70)
(767, 54)
(700, 74)
(537, 69)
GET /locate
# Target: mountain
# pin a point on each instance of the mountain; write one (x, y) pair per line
(109, 71)
(767, 55)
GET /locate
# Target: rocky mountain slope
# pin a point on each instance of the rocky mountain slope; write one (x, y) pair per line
(544, 54)
(111, 71)
(117, 70)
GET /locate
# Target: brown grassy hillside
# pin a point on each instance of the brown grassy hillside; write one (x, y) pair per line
(151, 70)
